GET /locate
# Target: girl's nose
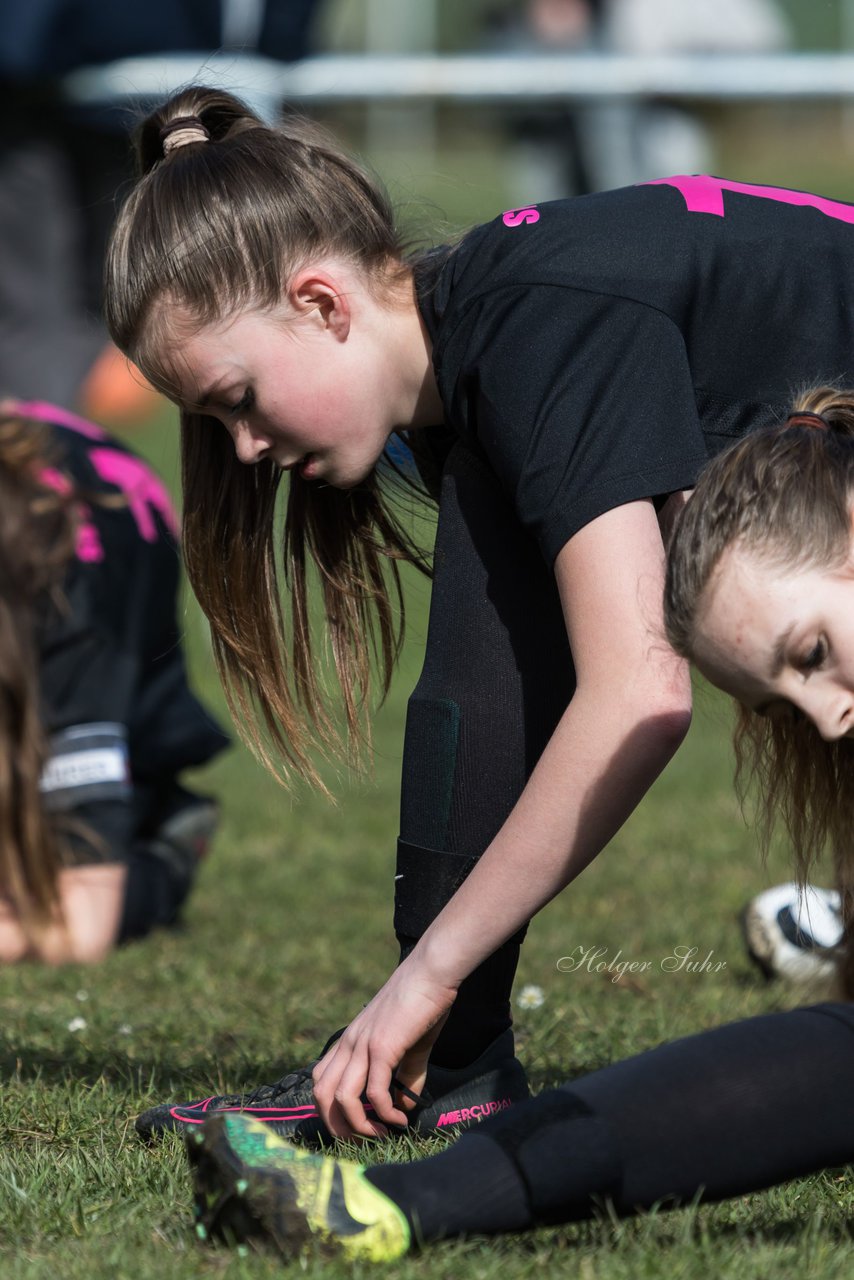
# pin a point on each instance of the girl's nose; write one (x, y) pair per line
(249, 448)
(832, 713)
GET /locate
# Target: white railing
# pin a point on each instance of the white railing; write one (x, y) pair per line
(475, 78)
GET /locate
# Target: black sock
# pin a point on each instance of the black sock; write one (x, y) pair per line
(481, 1011)
(733, 1110)
(473, 1187)
(720, 1114)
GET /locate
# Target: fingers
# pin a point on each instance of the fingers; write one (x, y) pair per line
(412, 1075)
(392, 1034)
(339, 1085)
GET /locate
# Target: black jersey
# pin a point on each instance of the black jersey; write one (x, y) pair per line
(115, 700)
(597, 350)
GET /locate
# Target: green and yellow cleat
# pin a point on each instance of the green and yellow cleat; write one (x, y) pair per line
(250, 1185)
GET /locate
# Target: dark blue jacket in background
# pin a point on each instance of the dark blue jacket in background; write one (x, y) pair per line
(46, 38)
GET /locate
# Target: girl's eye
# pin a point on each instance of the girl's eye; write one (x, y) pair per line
(816, 656)
(245, 402)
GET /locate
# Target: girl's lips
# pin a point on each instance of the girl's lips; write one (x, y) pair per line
(308, 466)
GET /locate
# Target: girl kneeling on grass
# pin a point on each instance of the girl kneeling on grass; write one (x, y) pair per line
(760, 595)
(99, 842)
(562, 374)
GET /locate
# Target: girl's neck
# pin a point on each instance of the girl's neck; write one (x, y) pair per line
(416, 349)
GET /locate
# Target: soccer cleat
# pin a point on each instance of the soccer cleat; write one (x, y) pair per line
(452, 1099)
(180, 842)
(189, 828)
(249, 1184)
(793, 932)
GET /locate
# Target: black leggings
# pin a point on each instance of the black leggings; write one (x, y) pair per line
(719, 1114)
(497, 676)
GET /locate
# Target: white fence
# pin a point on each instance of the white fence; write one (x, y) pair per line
(482, 78)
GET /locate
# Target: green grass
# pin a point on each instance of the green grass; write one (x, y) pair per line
(289, 932)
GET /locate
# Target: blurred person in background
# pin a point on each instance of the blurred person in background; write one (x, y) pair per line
(570, 149)
(99, 840)
(61, 165)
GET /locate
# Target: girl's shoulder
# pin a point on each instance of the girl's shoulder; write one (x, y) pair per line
(586, 241)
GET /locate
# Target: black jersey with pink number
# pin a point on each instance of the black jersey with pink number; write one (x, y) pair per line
(598, 350)
(119, 712)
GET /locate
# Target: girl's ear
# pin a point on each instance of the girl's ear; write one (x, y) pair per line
(313, 291)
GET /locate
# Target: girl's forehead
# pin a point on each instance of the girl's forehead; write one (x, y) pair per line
(173, 340)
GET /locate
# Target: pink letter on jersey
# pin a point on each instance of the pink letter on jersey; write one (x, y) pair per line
(704, 194)
(141, 488)
(515, 217)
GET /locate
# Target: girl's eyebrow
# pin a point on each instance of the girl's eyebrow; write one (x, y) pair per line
(216, 390)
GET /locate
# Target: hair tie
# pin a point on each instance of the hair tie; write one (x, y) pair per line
(184, 129)
(806, 418)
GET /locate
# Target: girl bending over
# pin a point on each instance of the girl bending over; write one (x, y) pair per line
(760, 594)
(562, 374)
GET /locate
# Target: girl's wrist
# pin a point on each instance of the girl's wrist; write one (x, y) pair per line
(440, 960)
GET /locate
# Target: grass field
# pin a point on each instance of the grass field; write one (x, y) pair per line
(289, 932)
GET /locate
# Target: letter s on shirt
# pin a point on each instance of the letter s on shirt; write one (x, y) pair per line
(515, 217)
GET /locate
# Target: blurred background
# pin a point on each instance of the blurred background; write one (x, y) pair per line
(728, 86)
(535, 122)
(469, 160)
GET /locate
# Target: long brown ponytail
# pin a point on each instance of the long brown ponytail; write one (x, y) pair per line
(216, 225)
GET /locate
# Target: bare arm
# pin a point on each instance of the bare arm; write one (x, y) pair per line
(629, 713)
(91, 899)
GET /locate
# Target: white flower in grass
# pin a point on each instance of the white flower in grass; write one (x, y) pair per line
(81, 995)
(530, 997)
(77, 1024)
(125, 1029)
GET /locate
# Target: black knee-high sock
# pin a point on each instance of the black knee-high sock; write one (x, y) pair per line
(497, 676)
(481, 1011)
(719, 1114)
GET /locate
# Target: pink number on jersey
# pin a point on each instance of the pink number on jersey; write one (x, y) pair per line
(88, 546)
(704, 194)
(515, 217)
(140, 486)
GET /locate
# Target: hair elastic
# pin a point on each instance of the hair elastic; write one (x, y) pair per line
(182, 130)
(806, 418)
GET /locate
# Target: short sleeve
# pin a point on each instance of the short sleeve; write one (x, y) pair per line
(581, 402)
(85, 785)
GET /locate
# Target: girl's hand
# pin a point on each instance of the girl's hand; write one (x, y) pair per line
(393, 1035)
